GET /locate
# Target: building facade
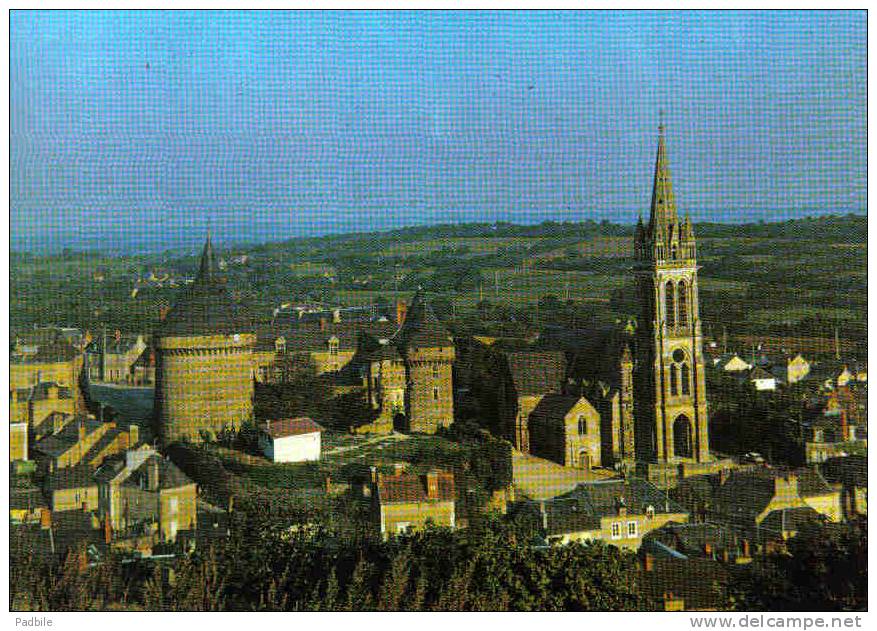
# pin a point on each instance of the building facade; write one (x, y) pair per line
(671, 410)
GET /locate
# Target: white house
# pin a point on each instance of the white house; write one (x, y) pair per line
(762, 380)
(291, 440)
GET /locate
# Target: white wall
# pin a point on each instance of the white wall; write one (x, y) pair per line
(300, 448)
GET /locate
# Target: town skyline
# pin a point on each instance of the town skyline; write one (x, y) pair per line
(289, 125)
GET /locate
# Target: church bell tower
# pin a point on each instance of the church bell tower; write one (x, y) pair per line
(671, 410)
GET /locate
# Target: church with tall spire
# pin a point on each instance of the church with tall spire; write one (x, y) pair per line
(671, 408)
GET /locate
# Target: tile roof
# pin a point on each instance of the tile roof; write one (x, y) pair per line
(407, 487)
(554, 407)
(282, 428)
(71, 478)
(537, 372)
(58, 444)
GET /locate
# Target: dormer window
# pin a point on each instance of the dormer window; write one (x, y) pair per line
(333, 346)
(280, 345)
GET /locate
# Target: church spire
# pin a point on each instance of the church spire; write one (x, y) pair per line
(663, 211)
(207, 269)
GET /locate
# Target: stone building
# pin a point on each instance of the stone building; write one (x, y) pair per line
(671, 411)
(408, 376)
(566, 429)
(527, 377)
(404, 501)
(56, 361)
(204, 365)
(111, 358)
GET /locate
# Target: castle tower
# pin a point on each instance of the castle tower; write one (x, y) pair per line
(204, 372)
(626, 434)
(429, 356)
(671, 410)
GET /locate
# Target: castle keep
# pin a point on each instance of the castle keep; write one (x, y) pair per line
(204, 366)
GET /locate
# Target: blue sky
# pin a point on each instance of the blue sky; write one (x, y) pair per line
(137, 130)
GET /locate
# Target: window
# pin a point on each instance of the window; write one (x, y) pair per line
(402, 527)
(616, 530)
(670, 303)
(682, 303)
(435, 394)
(173, 504)
(686, 387)
(333, 346)
(674, 381)
(435, 372)
(650, 511)
(583, 425)
(280, 345)
(631, 529)
(818, 436)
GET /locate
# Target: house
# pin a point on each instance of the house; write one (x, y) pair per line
(291, 440)
(762, 379)
(528, 376)
(145, 495)
(731, 362)
(26, 501)
(111, 359)
(566, 429)
(143, 369)
(695, 584)
(791, 369)
(71, 488)
(17, 441)
(404, 501)
(851, 473)
(617, 512)
(83, 441)
(747, 499)
(704, 540)
(56, 362)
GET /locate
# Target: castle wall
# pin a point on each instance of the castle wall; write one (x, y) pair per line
(430, 389)
(203, 383)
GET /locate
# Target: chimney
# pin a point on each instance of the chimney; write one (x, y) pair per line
(648, 562)
(398, 468)
(544, 514)
(336, 316)
(328, 484)
(374, 474)
(323, 324)
(844, 426)
(117, 336)
(746, 548)
(81, 428)
(108, 531)
(152, 474)
(45, 518)
(432, 485)
(723, 476)
(401, 312)
(133, 434)
(84, 507)
(708, 549)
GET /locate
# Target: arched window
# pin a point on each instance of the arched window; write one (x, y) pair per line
(674, 381)
(682, 436)
(682, 303)
(669, 302)
(583, 425)
(685, 377)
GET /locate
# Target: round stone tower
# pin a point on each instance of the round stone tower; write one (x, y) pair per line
(204, 375)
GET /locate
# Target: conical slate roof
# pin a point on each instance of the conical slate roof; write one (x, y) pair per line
(663, 211)
(206, 308)
(422, 328)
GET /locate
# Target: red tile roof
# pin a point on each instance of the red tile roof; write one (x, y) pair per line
(409, 488)
(292, 427)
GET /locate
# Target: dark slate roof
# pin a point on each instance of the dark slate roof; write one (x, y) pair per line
(71, 530)
(851, 470)
(114, 347)
(787, 519)
(691, 539)
(146, 359)
(422, 328)
(40, 392)
(407, 487)
(71, 478)
(169, 475)
(811, 482)
(101, 444)
(553, 407)
(310, 336)
(760, 373)
(54, 352)
(535, 372)
(206, 308)
(25, 496)
(588, 502)
(58, 444)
